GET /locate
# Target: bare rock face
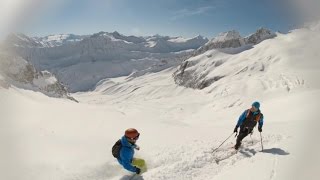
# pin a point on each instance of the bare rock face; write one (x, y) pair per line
(260, 35)
(16, 71)
(190, 79)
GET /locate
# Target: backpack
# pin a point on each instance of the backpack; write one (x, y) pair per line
(257, 117)
(116, 149)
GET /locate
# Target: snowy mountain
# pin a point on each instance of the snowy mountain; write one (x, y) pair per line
(50, 138)
(21, 40)
(233, 39)
(16, 71)
(207, 68)
(82, 61)
(230, 39)
(260, 35)
(59, 39)
(165, 44)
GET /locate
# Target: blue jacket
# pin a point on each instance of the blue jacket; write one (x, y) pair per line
(243, 117)
(126, 155)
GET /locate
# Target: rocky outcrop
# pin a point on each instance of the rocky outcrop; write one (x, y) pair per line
(260, 35)
(16, 71)
(190, 79)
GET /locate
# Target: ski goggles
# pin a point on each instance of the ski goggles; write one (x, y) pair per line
(135, 138)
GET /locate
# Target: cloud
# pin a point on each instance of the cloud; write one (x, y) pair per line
(182, 13)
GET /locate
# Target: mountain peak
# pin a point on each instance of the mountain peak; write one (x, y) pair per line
(200, 37)
(116, 33)
(19, 39)
(226, 36)
(260, 35)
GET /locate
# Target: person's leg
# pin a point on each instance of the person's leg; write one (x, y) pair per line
(242, 134)
(140, 163)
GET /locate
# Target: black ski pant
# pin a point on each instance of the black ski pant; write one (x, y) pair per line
(242, 134)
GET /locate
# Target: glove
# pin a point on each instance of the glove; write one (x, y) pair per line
(138, 170)
(236, 129)
(260, 129)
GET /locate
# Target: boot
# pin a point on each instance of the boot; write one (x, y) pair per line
(238, 144)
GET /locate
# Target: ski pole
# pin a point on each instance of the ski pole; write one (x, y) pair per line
(261, 141)
(222, 143)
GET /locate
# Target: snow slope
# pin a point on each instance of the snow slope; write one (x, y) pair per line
(58, 139)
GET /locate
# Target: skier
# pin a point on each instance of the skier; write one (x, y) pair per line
(247, 121)
(126, 151)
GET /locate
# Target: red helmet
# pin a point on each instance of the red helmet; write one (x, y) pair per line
(132, 133)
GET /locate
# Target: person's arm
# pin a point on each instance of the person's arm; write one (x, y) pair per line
(242, 118)
(261, 121)
(126, 157)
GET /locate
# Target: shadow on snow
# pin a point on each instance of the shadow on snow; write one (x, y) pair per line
(276, 151)
(251, 152)
(132, 177)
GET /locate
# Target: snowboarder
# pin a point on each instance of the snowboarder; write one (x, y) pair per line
(247, 121)
(126, 146)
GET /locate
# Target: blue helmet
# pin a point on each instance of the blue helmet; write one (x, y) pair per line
(256, 104)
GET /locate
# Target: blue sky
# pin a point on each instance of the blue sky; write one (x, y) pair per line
(185, 18)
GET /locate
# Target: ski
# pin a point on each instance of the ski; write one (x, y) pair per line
(227, 156)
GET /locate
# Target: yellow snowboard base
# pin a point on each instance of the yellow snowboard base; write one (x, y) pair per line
(140, 163)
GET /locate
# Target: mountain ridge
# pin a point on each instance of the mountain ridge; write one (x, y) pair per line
(80, 62)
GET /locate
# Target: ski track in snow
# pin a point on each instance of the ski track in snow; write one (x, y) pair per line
(273, 172)
(194, 159)
(185, 161)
